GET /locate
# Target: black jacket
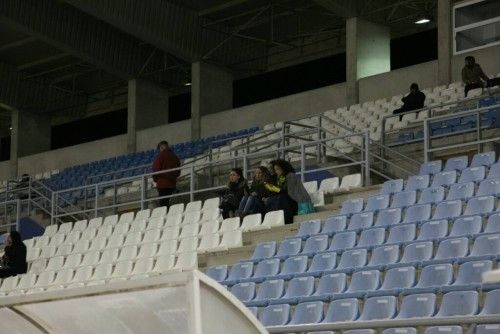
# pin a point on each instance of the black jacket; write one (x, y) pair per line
(413, 101)
(15, 258)
(234, 193)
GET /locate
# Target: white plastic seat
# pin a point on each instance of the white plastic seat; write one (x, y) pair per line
(193, 206)
(10, 283)
(191, 217)
(102, 271)
(29, 243)
(123, 269)
(121, 228)
(350, 181)
(42, 241)
(329, 185)
(32, 254)
(65, 228)
(274, 218)
(109, 255)
(63, 277)
(232, 239)
(80, 225)
(164, 263)
(110, 220)
(148, 250)
(97, 244)
(138, 226)
(143, 266)
(128, 253)
(167, 247)
(89, 233)
(170, 233)
(230, 224)
(126, 218)
(47, 252)
(209, 228)
(64, 249)
(57, 239)
(159, 212)
(91, 258)
(186, 261)
(142, 215)
(133, 238)
(82, 246)
(38, 266)
(251, 222)
(26, 281)
(209, 242)
(50, 230)
(211, 215)
(189, 230)
(188, 245)
(104, 231)
(95, 222)
(311, 186)
(115, 241)
(72, 261)
(72, 237)
(211, 203)
(96, 282)
(155, 223)
(75, 285)
(176, 209)
(44, 279)
(173, 220)
(83, 274)
(55, 263)
(151, 236)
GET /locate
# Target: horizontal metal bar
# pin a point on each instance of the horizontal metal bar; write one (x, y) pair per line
(477, 142)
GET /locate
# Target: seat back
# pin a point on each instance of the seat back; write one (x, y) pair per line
(433, 230)
(404, 199)
(417, 182)
(379, 308)
(431, 195)
(450, 249)
(459, 303)
(244, 291)
(388, 217)
(436, 275)
(399, 278)
(275, 315)
(402, 233)
(270, 289)
(307, 313)
(342, 310)
(353, 259)
(418, 306)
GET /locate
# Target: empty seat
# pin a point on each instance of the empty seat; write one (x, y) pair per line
(486, 246)
(448, 209)
(494, 172)
(133, 238)
(457, 163)
(372, 237)
(444, 330)
(188, 245)
(379, 308)
(408, 330)
(264, 250)
(9, 283)
(435, 229)
(89, 233)
(417, 252)
(151, 236)
(334, 224)
(47, 252)
(480, 205)
(167, 247)
(321, 263)
(490, 187)
(245, 292)
(267, 291)
(251, 221)
(38, 266)
(378, 202)
(404, 199)
(398, 279)
(55, 263)
(483, 159)
(418, 306)
(159, 212)
(388, 217)
(193, 206)
(128, 253)
(292, 266)
(142, 215)
(460, 191)
(466, 226)
(361, 283)
(402, 234)
(311, 186)
(104, 231)
(417, 182)
(450, 250)
(173, 220)
(343, 240)
(209, 242)
(352, 206)
(385, 255)
(470, 275)
(392, 186)
(488, 329)
(491, 304)
(417, 213)
(83, 274)
(473, 174)
(329, 185)
(230, 224)
(148, 250)
(431, 167)
(176, 209)
(164, 263)
(274, 218)
(307, 313)
(125, 218)
(289, 247)
(493, 225)
(444, 178)
(72, 237)
(218, 273)
(211, 203)
(137, 226)
(63, 277)
(275, 315)
(315, 244)
(298, 287)
(95, 222)
(50, 230)
(431, 195)
(353, 259)
(211, 215)
(242, 270)
(342, 310)
(115, 241)
(64, 249)
(186, 261)
(266, 268)
(309, 228)
(350, 181)
(231, 239)
(89, 259)
(189, 230)
(434, 276)
(191, 217)
(110, 220)
(463, 303)
(109, 255)
(44, 279)
(65, 228)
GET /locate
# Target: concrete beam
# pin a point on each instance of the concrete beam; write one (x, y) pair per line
(16, 44)
(444, 41)
(345, 10)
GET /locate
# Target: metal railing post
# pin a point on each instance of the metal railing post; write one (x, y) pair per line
(245, 166)
(191, 184)
(29, 196)
(382, 137)
(96, 200)
(144, 185)
(52, 207)
(366, 138)
(426, 140)
(478, 131)
(302, 162)
(18, 215)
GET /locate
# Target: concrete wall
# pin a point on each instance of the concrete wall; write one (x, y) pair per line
(373, 48)
(173, 133)
(5, 170)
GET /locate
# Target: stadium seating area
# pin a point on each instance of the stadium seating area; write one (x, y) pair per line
(416, 250)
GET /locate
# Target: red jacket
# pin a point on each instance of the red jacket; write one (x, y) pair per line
(166, 159)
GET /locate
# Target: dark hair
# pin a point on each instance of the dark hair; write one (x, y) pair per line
(15, 237)
(285, 166)
(163, 142)
(265, 172)
(471, 58)
(238, 171)
(414, 86)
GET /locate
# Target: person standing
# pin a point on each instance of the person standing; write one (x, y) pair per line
(14, 259)
(165, 182)
(473, 75)
(413, 101)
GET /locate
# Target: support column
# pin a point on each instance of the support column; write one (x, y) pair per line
(14, 135)
(444, 41)
(368, 52)
(211, 92)
(147, 107)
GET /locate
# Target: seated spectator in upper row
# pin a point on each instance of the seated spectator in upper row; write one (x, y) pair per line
(253, 201)
(413, 101)
(474, 77)
(13, 262)
(236, 189)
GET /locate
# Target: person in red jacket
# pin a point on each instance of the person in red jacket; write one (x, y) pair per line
(166, 182)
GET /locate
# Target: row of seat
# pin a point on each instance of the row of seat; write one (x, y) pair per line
(458, 163)
(97, 274)
(480, 329)
(452, 250)
(333, 184)
(361, 284)
(421, 306)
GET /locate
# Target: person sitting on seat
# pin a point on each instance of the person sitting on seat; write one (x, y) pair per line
(14, 259)
(473, 76)
(253, 201)
(413, 101)
(233, 194)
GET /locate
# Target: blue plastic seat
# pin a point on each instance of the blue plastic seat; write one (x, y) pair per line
(378, 202)
(402, 233)
(470, 275)
(433, 277)
(488, 329)
(431, 167)
(448, 209)
(457, 163)
(352, 259)
(315, 244)
(242, 270)
(297, 287)
(388, 217)
(334, 225)
(417, 306)
(464, 303)
(352, 206)
(444, 330)
(483, 159)
(267, 291)
(218, 273)
(404, 199)
(275, 315)
(264, 250)
(444, 179)
(343, 240)
(466, 226)
(379, 308)
(322, 262)
(289, 247)
(417, 213)
(431, 195)
(383, 256)
(486, 247)
(450, 250)
(417, 252)
(461, 191)
(307, 313)
(266, 268)
(490, 187)
(433, 230)
(328, 285)
(392, 186)
(395, 281)
(417, 182)
(361, 221)
(244, 291)
(309, 228)
(472, 174)
(342, 310)
(480, 205)
(372, 237)
(494, 172)
(292, 266)
(406, 330)
(493, 225)
(253, 310)
(491, 303)
(361, 282)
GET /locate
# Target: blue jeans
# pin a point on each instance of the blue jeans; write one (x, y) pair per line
(247, 204)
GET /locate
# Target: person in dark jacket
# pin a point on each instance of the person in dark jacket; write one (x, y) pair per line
(166, 182)
(413, 101)
(236, 189)
(474, 77)
(253, 201)
(14, 259)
